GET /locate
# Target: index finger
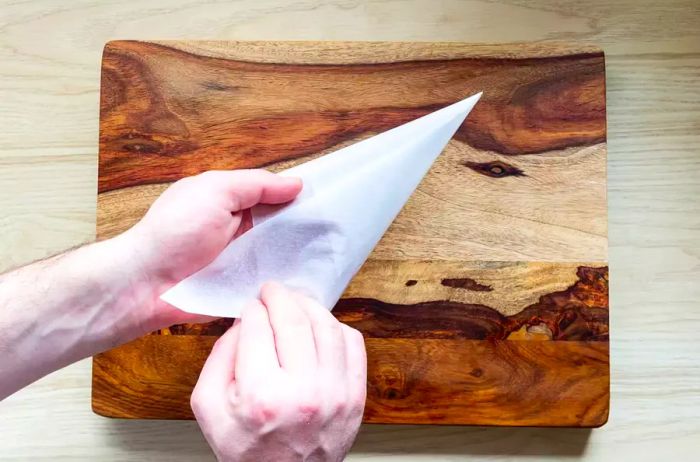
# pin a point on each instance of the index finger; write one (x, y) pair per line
(218, 370)
(256, 356)
(293, 335)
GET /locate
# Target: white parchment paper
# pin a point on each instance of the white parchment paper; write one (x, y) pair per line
(319, 241)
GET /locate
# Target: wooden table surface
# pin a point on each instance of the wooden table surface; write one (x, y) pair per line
(49, 88)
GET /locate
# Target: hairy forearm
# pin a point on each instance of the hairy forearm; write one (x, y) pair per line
(68, 307)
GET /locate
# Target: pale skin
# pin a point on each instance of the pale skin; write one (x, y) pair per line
(285, 383)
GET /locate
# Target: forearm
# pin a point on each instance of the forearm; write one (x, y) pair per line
(65, 308)
(68, 307)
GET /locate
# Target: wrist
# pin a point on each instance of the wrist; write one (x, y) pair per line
(147, 276)
(136, 282)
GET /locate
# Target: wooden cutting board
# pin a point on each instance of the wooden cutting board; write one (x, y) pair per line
(487, 300)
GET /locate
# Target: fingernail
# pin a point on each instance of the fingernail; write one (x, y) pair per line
(294, 179)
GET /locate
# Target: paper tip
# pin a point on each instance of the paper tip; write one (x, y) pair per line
(474, 97)
(465, 106)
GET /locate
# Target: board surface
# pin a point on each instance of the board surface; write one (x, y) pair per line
(487, 300)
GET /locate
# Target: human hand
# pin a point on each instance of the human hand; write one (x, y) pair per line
(189, 225)
(286, 383)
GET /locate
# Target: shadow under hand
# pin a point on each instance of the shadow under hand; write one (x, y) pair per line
(453, 440)
(171, 440)
(182, 440)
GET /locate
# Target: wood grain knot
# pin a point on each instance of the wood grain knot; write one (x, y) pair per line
(390, 382)
(218, 86)
(495, 169)
(467, 284)
(140, 144)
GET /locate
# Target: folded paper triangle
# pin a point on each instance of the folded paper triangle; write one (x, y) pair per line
(318, 242)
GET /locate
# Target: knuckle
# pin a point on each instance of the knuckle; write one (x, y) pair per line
(353, 334)
(340, 406)
(356, 405)
(307, 409)
(261, 410)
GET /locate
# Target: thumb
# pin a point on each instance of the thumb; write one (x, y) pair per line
(218, 371)
(246, 188)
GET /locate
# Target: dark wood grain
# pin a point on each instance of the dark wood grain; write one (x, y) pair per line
(487, 300)
(557, 103)
(579, 312)
(410, 380)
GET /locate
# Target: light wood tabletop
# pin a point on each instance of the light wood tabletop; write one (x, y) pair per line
(49, 91)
